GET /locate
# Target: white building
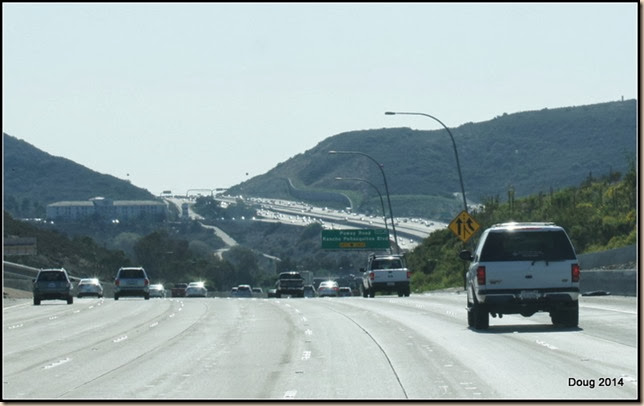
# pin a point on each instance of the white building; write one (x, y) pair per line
(107, 208)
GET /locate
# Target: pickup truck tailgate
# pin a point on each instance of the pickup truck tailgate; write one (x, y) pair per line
(529, 275)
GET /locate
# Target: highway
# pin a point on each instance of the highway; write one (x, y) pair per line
(387, 347)
(410, 231)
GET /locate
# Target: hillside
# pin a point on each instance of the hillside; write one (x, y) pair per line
(33, 179)
(534, 151)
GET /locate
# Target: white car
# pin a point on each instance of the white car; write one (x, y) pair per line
(328, 288)
(157, 290)
(90, 287)
(196, 289)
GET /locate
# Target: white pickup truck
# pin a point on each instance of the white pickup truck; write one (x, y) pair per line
(385, 273)
(523, 268)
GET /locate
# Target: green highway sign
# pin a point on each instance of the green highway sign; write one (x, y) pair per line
(366, 239)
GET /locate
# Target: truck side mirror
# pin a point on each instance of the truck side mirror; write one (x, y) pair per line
(465, 255)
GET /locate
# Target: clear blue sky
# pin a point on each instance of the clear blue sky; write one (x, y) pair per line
(206, 95)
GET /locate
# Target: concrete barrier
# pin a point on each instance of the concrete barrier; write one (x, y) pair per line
(615, 256)
(621, 282)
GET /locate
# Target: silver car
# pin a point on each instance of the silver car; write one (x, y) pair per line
(132, 281)
(90, 287)
(157, 290)
(52, 284)
(196, 289)
(328, 288)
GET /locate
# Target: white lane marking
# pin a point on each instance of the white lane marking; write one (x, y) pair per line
(290, 394)
(306, 355)
(308, 331)
(156, 323)
(118, 340)
(15, 326)
(57, 363)
(545, 344)
(53, 317)
(608, 309)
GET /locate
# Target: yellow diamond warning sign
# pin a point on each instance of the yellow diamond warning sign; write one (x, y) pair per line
(464, 226)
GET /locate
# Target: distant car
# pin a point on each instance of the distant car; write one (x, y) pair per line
(157, 290)
(244, 291)
(233, 291)
(328, 288)
(258, 291)
(52, 284)
(345, 291)
(179, 290)
(132, 281)
(271, 293)
(90, 287)
(309, 291)
(196, 289)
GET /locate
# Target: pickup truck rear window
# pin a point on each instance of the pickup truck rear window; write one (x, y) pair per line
(386, 264)
(527, 246)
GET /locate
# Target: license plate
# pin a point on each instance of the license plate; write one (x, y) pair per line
(529, 295)
(390, 284)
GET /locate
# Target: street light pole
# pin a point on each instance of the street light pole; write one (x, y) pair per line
(458, 164)
(382, 203)
(391, 213)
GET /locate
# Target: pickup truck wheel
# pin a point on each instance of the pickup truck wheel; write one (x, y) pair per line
(572, 316)
(36, 301)
(364, 292)
(566, 316)
(480, 316)
(116, 297)
(470, 315)
(372, 292)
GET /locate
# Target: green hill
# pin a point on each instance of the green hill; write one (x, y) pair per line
(33, 179)
(534, 151)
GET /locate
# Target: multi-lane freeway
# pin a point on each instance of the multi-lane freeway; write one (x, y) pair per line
(410, 231)
(386, 347)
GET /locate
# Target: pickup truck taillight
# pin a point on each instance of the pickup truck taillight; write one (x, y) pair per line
(575, 272)
(146, 282)
(372, 275)
(480, 275)
(408, 274)
(117, 282)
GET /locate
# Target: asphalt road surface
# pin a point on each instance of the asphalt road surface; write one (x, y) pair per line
(387, 347)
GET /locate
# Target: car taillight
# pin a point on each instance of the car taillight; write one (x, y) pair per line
(408, 274)
(117, 282)
(480, 275)
(146, 282)
(575, 273)
(372, 275)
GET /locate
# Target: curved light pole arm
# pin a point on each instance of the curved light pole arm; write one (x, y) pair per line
(382, 203)
(391, 213)
(458, 164)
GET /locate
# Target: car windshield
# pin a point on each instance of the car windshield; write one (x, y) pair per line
(527, 246)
